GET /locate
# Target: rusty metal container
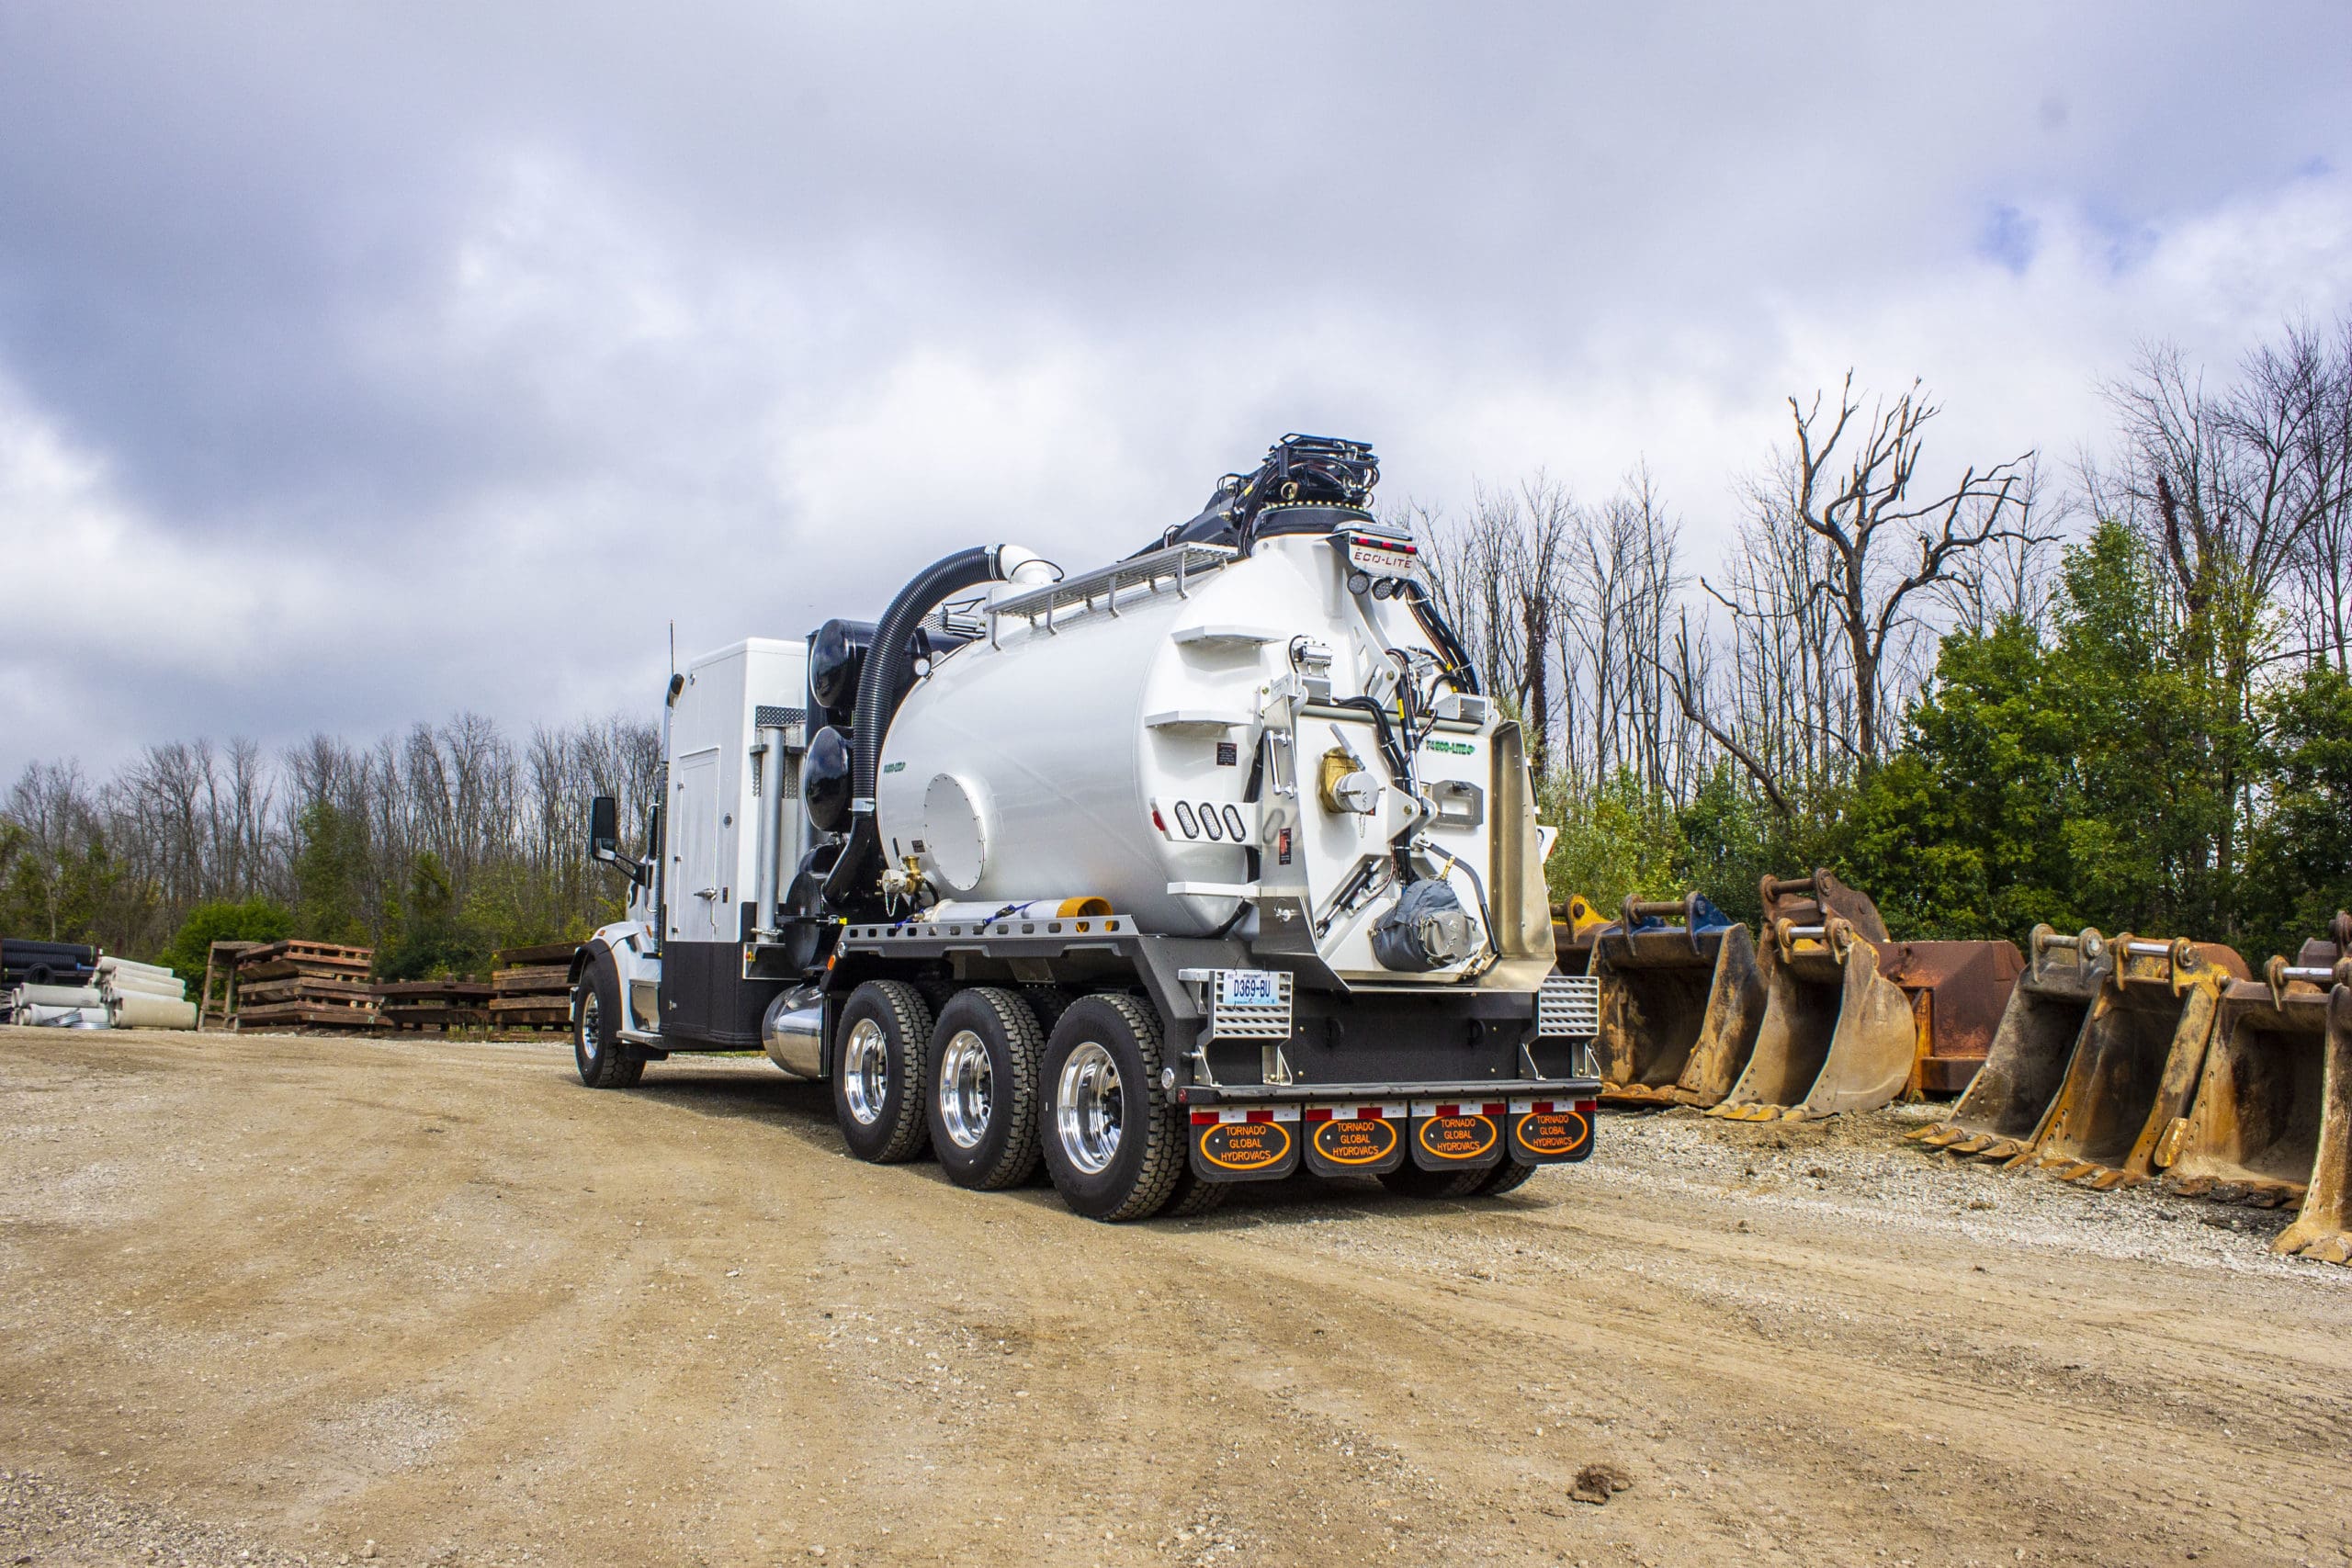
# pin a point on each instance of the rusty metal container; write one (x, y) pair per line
(2270, 1123)
(1958, 991)
(1837, 1033)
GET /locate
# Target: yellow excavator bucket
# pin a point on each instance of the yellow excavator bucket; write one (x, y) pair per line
(2005, 1101)
(2137, 1062)
(2323, 1229)
(1575, 925)
(2259, 1131)
(1679, 1004)
(1836, 1035)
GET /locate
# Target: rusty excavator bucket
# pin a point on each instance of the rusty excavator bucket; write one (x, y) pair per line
(2137, 1062)
(1680, 1003)
(2012, 1093)
(1837, 1033)
(2271, 1124)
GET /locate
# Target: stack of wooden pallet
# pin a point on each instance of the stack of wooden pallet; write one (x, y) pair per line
(434, 1004)
(317, 984)
(531, 987)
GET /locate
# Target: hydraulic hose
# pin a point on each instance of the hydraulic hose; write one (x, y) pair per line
(889, 668)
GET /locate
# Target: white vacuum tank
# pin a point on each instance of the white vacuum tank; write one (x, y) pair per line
(1111, 754)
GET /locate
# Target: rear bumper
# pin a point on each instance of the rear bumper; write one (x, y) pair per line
(1265, 1132)
(1322, 1093)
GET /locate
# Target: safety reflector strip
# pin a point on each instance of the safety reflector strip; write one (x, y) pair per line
(1357, 1112)
(1276, 1113)
(1468, 1108)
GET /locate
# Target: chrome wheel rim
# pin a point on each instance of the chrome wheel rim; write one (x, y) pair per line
(1086, 1108)
(865, 1071)
(588, 1011)
(966, 1088)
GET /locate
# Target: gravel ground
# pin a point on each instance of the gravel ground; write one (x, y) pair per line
(270, 1301)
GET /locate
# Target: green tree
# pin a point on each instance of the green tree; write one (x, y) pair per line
(330, 874)
(2299, 870)
(255, 919)
(431, 938)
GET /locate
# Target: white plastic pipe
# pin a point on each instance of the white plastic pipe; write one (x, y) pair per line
(59, 997)
(126, 982)
(135, 1011)
(40, 1017)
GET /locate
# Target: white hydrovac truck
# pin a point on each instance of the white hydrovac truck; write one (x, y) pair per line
(1186, 871)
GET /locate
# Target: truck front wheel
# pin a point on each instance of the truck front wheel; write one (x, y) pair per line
(881, 1072)
(984, 1054)
(604, 1060)
(1114, 1140)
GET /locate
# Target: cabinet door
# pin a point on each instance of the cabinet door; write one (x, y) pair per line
(695, 907)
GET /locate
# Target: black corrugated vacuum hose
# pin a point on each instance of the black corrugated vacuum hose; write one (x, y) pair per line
(888, 671)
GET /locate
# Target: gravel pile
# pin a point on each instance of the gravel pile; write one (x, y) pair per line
(1858, 1167)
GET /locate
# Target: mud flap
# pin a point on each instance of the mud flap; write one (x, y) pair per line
(1445, 1135)
(1231, 1144)
(1355, 1140)
(1550, 1131)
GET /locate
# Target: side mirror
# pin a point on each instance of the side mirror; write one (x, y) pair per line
(605, 828)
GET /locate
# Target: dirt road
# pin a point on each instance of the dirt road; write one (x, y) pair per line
(271, 1300)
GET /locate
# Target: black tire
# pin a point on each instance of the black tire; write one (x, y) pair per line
(985, 1089)
(604, 1060)
(1128, 1135)
(1507, 1176)
(1192, 1195)
(1412, 1181)
(881, 1084)
(1048, 1002)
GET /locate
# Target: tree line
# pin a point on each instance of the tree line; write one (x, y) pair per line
(1988, 693)
(2115, 691)
(435, 847)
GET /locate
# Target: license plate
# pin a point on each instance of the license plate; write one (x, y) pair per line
(1249, 988)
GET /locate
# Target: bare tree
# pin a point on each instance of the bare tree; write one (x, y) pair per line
(1842, 553)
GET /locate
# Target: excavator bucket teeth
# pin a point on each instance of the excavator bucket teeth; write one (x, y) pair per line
(2137, 1062)
(1678, 1011)
(2272, 1120)
(2005, 1103)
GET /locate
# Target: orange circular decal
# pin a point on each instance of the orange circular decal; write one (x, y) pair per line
(1457, 1137)
(1354, 1143)
(1553, 1132)
(1245, 1145)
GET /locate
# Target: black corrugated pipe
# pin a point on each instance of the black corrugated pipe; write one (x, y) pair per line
(888, 665)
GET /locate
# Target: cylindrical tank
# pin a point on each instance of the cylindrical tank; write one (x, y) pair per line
(1029, 770)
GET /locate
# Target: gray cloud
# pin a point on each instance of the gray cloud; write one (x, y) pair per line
(368, 363)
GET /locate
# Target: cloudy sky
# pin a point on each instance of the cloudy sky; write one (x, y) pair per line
(360, 363)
